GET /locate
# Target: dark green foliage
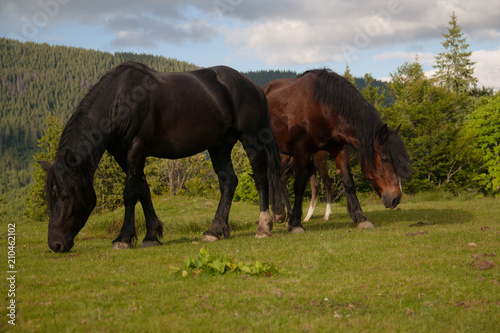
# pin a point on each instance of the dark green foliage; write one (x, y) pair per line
(36, 207)
(260, 78)
(480, 140)
(430, 116)
(109, 183)
(37, 81)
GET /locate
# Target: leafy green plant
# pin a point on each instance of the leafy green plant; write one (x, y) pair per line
(222, 264)
(481, 142)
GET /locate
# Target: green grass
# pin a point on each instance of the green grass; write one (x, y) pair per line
(416, 272)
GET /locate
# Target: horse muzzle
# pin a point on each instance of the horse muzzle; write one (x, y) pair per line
(60, 245)
(391, 200)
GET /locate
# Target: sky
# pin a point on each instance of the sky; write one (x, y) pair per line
(370, 36)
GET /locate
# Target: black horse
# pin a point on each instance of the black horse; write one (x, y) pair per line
(134, 112)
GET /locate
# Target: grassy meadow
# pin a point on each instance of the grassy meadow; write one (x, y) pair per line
(430, 266)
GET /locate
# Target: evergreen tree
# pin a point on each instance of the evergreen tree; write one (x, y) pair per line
(36, 207)
(454, 68)
(373, 94)
(427, 115)
(348, 75)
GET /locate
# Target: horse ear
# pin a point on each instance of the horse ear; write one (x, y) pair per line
(45, 165)
(382, 134)
(397, 129)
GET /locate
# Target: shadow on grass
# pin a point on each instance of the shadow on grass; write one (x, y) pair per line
(386, 217)
(180, 240)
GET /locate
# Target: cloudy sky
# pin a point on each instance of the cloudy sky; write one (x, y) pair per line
(371, 36)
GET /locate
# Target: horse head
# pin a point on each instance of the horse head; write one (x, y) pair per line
(389, 165)
(70, 202)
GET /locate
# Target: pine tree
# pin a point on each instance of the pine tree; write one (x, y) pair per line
(348, 75)
(454, 68)
(373, 94)
(427, 115)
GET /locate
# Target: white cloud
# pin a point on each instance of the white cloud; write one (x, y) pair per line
(487, 68)
(425, 58)
(335, 31)
(277, 33)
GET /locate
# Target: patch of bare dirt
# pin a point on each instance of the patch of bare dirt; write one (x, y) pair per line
(483, 264)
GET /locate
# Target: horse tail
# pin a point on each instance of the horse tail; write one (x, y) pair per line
(278, 189)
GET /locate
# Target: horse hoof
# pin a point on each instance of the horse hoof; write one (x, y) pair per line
(262, 234)
(297, 230)
(209, 238)
(365, 225)
(120, 246)
(279, 218)
(150, 244)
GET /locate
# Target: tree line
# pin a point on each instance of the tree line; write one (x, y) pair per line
(40, 80)
(449, 125)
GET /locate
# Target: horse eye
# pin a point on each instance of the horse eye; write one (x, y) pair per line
(65, 197)
(385, 160)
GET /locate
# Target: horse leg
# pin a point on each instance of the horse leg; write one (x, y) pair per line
(299, 187)
(136, 188)
(314, 197)
(279, 214)
(128, 234)
(323, 172)
(353, 206)
(258, 161)
(154, 228)
(221, 161)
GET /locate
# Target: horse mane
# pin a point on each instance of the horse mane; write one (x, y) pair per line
(70, 157)
(333, 90)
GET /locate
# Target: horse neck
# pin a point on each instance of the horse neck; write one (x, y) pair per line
(81, 147)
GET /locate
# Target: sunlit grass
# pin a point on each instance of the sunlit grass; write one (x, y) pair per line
(417, 271)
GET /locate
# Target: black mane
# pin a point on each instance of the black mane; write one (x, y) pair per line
(76, 157)
(336, 91)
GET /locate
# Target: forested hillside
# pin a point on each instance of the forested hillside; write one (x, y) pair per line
(263, 77)
(38, 80)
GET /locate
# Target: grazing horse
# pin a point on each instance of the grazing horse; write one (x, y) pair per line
(319, 163)
(134, 112)
(322, 111)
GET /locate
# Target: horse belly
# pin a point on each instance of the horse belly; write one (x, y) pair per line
(181, 135)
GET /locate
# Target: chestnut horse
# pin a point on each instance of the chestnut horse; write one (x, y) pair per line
(322, 111)
(134, 112)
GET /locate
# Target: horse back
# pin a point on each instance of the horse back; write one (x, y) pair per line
(298, 118)
(181, 114)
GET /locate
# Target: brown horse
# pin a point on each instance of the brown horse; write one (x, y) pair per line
(322, 111)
